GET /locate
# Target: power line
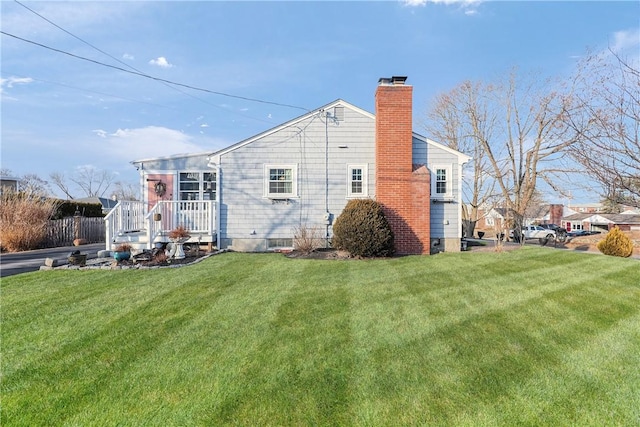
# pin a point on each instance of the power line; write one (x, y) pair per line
(128, 65)
(137, 73)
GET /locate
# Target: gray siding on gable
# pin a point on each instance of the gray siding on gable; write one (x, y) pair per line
(445, 217)
(245, 212)
(177, 163)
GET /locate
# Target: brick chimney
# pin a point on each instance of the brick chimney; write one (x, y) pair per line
(402, 187)
(556, 214)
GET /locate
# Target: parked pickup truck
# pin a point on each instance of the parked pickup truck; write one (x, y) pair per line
(536, 232)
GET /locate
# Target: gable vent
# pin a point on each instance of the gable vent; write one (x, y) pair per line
(338, 113)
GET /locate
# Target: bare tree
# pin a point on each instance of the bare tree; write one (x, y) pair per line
(125, 191)
(60, 181)
(516, 132)
(608, 98)
(34, 185)
(29, 183)
(90, 181)
(450, 122)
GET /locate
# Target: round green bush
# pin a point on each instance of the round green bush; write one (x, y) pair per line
(616, 243)
(362, 230)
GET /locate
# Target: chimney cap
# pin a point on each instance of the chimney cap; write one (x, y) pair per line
(394, 80)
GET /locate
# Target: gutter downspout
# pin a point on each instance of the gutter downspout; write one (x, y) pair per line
(216, 167)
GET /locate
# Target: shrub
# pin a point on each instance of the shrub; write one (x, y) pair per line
(124, 247)
(69, 207)
(363, 230)
(23, 220)
(616, 243)
(307, 239)
(179, 232)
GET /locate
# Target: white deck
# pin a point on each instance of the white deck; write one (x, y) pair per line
(129, 222)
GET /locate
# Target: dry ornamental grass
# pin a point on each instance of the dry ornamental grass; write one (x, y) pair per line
(23, 220)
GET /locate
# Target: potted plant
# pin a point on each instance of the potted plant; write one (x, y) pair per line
(178, 236)
(77, 258)
(122, 252)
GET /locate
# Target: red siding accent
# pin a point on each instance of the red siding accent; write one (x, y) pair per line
(404, 193)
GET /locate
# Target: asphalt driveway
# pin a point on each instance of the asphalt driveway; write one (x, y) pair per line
(22, 262)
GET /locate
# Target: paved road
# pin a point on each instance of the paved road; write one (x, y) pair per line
(22, 262)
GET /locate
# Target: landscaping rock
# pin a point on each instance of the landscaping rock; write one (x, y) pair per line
(50, 262)
(104, 254)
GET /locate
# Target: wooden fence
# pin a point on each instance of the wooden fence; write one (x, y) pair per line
(62, 232)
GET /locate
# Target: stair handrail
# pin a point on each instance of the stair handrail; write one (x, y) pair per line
(154, 228)
(116, 222)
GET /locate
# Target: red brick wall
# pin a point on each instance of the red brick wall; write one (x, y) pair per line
(403, 192)
(555, 213)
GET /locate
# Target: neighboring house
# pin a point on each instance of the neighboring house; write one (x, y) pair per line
(601, 222)
(8, 183)
(107, 204)
(493, 220)
(254, 195)
(586, 207)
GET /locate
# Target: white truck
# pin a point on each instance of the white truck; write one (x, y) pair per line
(536, 232)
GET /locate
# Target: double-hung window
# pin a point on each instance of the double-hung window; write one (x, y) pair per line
(357, 181)
(197, 185)
(280, 181)
(441, 181)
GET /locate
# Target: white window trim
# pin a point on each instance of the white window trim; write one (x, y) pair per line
(434, 176)
(201, 184)
(365, 180)
(294, 179)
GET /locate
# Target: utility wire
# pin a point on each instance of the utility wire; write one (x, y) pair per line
(128, 65)
(137, 73)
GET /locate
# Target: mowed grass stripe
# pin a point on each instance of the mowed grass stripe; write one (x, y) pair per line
(246, 339)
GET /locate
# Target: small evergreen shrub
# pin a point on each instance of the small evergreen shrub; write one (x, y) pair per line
(362, 230)
(616, 243)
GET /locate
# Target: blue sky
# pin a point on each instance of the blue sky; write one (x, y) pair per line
(60, 112)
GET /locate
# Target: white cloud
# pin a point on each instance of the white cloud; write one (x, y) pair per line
(623, 40)
(161, 62)
(424, 2)
(150, 141)
(468, 6)
(204, 125)
(128, 56)
(101, 133)
(9, 82)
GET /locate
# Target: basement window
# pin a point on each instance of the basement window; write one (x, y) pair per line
(279, 243)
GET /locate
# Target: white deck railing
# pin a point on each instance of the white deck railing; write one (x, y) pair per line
(125, 217)
(197, 216)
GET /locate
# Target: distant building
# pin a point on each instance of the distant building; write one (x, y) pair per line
(8, 183)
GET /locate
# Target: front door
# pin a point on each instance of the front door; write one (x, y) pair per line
(159, 187)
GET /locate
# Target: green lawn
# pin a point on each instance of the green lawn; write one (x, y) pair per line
(534, 336)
